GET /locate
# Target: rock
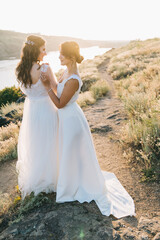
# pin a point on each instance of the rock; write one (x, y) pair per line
(129, 234)
(117, 225)
(144, 236)
(104, 233)
(68, 221)
(116, 236)
(4, 121)
(36, 233)
(119, 119)
(151, 226)
(102, 129)
(11, 113)
(157, 236)
(112, 116)
(21, 99)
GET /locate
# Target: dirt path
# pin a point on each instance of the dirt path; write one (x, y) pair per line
(106, 119)
(8, 176)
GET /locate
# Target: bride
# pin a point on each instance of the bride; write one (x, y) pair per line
(37, 164)
(80, 177)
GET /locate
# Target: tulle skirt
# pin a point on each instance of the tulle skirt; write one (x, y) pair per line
(37, 164)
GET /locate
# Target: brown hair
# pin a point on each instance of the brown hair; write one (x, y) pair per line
(29, 54)
(71, 49)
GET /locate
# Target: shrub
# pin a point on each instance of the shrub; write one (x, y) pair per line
(85, 99)
(31, 202)
(137, 104)
(15, 108)
(89, 72)
(8, 149)
(8, 142)
(100, 89)
(144, 136)
(9, 95)
(12, 130)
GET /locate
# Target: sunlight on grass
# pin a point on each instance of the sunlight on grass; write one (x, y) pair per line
(18, 107)
(86, 99)
(136, 69)
(100, 89)
(5, 202)
(8, 141)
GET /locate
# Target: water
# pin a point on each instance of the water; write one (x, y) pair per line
(7, 67)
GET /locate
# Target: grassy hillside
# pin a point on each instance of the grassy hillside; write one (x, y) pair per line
(11, 43)
(136, 69)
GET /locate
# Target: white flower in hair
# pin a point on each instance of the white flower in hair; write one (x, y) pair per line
(29, 42)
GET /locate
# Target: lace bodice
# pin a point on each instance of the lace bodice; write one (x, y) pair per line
(61, 86)
(36, 90)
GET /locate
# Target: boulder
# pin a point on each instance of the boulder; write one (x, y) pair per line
(11, 113)
(21, 99)
(4, 121)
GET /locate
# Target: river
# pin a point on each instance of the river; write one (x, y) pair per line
(7, 67)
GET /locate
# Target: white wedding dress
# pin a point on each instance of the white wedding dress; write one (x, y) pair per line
(80, 177)
(37, 164)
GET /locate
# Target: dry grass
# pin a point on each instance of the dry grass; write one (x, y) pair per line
(17, 107)
(100, 89)
(5, 202)
(8, 141)
(85, 99)
(89, 73)
(9, 134)
(93, 86)
(136, 69)
(97, 90)
(10, 201)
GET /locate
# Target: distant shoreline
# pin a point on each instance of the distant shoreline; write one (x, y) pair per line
(11, 43)
(7, 67)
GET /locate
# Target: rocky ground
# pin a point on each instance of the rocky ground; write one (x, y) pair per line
(73, 221)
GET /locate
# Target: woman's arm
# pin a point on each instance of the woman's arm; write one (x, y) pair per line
(69, 90)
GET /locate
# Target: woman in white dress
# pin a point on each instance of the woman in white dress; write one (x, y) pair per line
(37, 142)
(80, 177)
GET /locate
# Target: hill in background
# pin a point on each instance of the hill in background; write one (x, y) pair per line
(11, 43)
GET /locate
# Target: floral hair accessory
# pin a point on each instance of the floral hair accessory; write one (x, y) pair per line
(29, 42)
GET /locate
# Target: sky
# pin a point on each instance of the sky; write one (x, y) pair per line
(86, 19)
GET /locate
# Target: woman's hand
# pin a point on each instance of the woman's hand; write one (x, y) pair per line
(49, 79)
(45, 80)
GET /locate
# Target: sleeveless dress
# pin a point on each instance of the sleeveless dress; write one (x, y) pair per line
(37, 143)
(80, 177)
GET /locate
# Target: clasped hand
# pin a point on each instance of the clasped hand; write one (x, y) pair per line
(45, 80)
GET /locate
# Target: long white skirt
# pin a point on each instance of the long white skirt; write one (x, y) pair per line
(80, 177)
(37, 164)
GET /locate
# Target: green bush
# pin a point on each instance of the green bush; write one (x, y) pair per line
(9, 95)
(100, 89)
